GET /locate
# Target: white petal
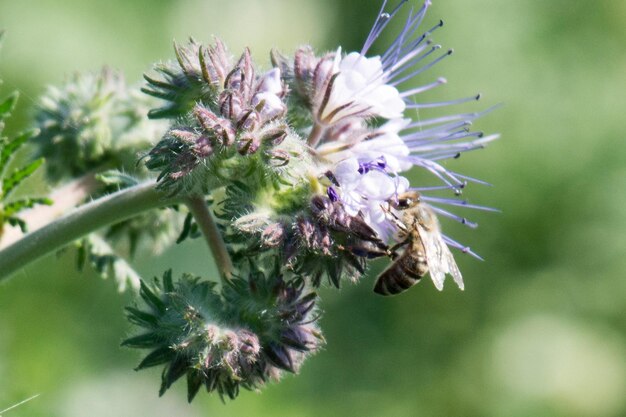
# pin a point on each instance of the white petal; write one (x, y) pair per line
(370, 68)
(377, 185)
(387, 102)
(347, 174)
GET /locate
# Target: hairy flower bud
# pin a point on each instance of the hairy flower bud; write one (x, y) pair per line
(278, 157)
(252, 332)
(231, 104)
(214, 63)
(248, 121)
(217, 126)
(93, 120)
(273, 235)
(274, 135)
(304, 65)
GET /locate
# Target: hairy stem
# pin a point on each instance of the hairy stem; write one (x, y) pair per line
(200, 211)
(64, 199)
(85, 219)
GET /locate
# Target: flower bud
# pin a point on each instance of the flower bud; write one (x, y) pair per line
(251, 332)
(248, 121)
(322, 75)
(234, 79)
(231, 104)
(215, 63)
(314, 236)
(243, 77)
(274, 136)
(281, 62)
(197, 76)
(219, 127)
(273, 235)
(185, 136)
(305, 62)
(278, 157)
(248, 144)
(91, 121)
(252, 222)
(202, 148)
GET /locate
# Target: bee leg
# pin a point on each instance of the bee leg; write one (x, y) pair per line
(366, 251)
(395, 219)
(393, 254)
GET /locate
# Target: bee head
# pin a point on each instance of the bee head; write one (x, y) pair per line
(406, 200)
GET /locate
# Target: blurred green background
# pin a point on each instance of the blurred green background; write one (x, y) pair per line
(540, 328)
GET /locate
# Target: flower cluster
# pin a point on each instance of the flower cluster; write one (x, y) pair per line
(252, 331)
(321, 201)
(303, 165)
(235, 113)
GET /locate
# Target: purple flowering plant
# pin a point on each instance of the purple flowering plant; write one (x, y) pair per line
(294, 176)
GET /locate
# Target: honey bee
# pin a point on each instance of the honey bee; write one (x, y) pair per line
(425, 250)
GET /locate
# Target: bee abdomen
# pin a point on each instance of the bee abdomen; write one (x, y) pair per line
(401, 275)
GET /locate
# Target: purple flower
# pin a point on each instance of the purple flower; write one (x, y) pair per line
(367, 159)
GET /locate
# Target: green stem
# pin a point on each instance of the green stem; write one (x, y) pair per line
(64, 199)
(201, 213)
(85, 219)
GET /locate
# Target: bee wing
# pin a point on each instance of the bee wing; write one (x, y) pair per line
(439, 258)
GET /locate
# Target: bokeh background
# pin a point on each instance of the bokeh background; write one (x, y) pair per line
(540, 328)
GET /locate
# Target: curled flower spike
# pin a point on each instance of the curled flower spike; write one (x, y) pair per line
(351, 110)
(97, 120)
(251, 332)
(244, 113)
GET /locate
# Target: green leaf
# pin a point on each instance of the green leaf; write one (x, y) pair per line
(194, 382)
(25, 203)
(183, 60)
(17, 222)
(7, 106)
(163, 113)
(169, 96)
(157, 83)
(19, 175)
(8, 148)
(172, 373)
